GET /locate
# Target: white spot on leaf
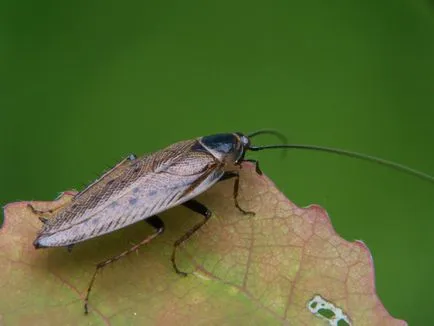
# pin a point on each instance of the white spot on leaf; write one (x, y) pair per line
(326, 310)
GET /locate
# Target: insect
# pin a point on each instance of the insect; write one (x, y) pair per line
(140, 188)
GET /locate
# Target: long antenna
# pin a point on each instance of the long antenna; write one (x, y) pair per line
(273, 132)
(338, 151)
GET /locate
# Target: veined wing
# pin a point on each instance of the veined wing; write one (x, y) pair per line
(145, 187)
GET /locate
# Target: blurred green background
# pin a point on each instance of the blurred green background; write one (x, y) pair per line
(85, 83)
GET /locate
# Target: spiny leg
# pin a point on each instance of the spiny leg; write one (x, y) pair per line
(235, 174)
(197, 207)
(47, 212)
(153, 221)
(257, 169)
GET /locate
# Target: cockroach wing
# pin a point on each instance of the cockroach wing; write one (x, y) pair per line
(133, 192)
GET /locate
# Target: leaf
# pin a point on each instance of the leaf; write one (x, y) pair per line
(285, 265)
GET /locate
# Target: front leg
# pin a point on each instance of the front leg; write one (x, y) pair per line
(257, 169)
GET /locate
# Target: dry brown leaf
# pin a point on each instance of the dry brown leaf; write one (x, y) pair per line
(283, 266)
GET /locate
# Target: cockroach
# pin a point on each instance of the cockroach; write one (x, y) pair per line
(140, 188)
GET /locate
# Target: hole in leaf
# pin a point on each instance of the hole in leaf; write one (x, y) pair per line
(327, 310)
(342, 322)
(327, 313)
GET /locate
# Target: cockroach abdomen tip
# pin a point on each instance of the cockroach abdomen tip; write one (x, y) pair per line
(37, 244)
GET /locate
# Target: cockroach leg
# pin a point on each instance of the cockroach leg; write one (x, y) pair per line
(153, 221)
(235, 174)
(257, 169)
(196, 207)
(42, 213)
(43, 219)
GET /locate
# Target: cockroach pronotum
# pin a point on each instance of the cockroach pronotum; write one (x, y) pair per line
(139, 188)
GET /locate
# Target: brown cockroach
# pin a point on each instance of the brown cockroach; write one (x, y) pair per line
(138, 189)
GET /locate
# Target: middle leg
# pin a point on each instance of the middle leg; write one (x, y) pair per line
(196, 207)
(236, 175)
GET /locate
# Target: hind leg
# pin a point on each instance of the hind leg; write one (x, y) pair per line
(156, 223)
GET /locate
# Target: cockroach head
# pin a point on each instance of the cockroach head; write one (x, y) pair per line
(228, 148)
(231, 147)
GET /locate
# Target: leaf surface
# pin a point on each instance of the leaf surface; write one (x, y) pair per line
(283, 266)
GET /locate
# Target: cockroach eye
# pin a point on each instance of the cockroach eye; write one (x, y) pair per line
(245, 141)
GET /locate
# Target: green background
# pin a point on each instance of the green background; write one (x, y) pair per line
(85, 83)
